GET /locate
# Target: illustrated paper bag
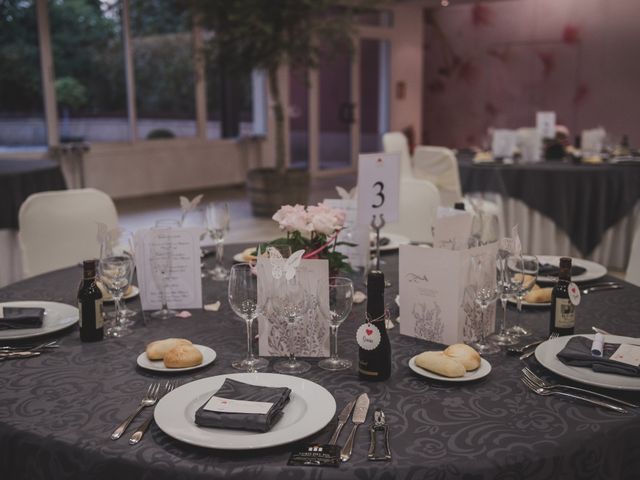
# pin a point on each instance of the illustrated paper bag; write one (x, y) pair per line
(311, 332)
(437, 296)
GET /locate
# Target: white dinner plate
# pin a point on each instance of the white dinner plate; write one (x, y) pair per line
(395, 241)
(482, 371)
(593, 270)
(57, 316)
(133, 293)
(208, 356)
(310, 408)
(546, 354)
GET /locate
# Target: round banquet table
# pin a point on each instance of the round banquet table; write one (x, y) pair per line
(58, 410)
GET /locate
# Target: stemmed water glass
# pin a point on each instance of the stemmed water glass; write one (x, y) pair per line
(218, 226)
(507, 286)
(526, 268)
(485, 292)
(161, 255)
(290, 300)
(243, 298)
(115, 270)
(340, 303)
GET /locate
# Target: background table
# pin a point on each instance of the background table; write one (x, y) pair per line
(57, 410)
(588, 211)
(18, 180)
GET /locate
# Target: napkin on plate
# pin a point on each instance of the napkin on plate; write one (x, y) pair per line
(234, 390)
(548, 270)
(18, 317)
(577, 353)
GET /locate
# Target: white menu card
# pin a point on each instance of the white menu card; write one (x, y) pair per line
(378, 186)
(311, 332)
(503, 143)
(546, 124)
(184, 282)
(452, 229)
(351, 233)
(437, 297)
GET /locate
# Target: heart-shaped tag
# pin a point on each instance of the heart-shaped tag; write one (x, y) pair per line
(369, 331)
(368, 336)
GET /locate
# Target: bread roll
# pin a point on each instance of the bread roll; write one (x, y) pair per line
(441, 364)
(158, 349)
(248, 254)
(466, 355)
(539, 295)
(183, 356)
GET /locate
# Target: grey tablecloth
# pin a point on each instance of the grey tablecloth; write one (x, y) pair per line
(21, 178)
(583, 200)
(57, 410)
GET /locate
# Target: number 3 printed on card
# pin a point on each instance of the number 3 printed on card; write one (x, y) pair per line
(379, 194)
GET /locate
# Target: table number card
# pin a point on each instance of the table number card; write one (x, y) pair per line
(351, 233)
(311, 333)
(184, 283)
(503, 143)
(378, 187)
(546, 124)
(437, 296)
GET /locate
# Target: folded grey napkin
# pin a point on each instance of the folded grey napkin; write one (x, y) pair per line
(548, 270)
(234, 390)
(18, 317)
(577, 353)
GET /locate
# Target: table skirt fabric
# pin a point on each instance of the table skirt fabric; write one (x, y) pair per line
(58, 410)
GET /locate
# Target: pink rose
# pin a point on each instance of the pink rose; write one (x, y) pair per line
(324, 223)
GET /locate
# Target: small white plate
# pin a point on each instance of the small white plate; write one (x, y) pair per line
(208, 356)
(57, 316)
(546, 354)
(530, 304)
(395, 241)
(133, 293)
(482, 371)
(593, 271)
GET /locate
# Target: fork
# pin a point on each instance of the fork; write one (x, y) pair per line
(11, 348)
(137, 435)
(541, 383)
(148, 400)
(532, 351)
(545, 392)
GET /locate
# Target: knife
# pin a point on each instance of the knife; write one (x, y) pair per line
(342, 420)
(9, 355)
(358, 418)
(599, 288)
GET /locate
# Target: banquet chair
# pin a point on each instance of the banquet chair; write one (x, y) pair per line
(633, 267)
(419, 200)
(59, 229)
(440, 166)
(396, 142)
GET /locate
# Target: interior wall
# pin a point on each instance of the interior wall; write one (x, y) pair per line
(496, 64)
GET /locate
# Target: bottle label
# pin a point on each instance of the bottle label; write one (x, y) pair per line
(368, 336)
(574, 294)
(565, 313)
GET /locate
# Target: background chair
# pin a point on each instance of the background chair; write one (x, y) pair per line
(396, 142)
(59, 229)
(633, 268)
(440, 166)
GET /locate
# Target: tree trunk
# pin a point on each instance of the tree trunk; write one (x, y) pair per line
(278, 113)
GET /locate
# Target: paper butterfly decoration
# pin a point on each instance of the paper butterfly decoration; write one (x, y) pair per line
(280, 265)
(344, 195)
(187, 205)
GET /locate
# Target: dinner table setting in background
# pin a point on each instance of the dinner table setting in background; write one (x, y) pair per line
(310, 356)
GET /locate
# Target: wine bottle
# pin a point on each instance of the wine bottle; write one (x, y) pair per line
(374, 356)
(90, 304)
(563, 311)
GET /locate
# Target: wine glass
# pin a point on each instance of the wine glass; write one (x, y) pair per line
(291, 301)
(340, 303)
(115, 270)
(160, 255)
(243, 298)
(507, 286)
(527, 268)
(218, 226)
(483, 281)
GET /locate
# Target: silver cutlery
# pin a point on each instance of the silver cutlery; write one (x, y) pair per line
(379, 425)
(546, 391)
(12, 348)
(137, 435)
(600, 331)
(358, 418)
(148, 400)
(524, 348)
(541, 383)
(343, 418)
(13, 355)
(599, 288)
(532, 351)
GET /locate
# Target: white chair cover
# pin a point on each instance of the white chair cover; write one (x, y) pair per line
(530, 144)
(633, 269)
(396, 142)
(419, 200)
(440, 166)
(59, 229)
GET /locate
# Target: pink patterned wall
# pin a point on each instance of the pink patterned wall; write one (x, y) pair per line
(497, 63)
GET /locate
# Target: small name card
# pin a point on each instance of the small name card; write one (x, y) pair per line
(227, 405)
(180, 248)
(629, 354)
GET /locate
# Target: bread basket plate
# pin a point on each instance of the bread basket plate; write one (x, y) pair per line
(482, 371)
(132, 293)
(208, 356)
(531, 304)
